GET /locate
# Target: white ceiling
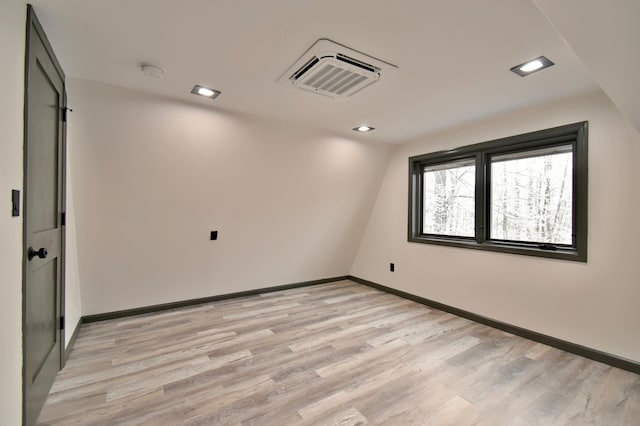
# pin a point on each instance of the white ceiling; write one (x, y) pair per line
(453, 56)
(605, 35)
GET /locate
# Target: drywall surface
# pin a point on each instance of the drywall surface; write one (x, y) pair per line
(152, 177)
(604, 34)
(12, 35)
(73, 303)
(593, 304)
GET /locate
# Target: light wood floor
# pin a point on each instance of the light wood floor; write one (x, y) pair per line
(334, 354)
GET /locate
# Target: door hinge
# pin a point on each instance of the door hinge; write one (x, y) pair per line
(64, 113)
(63, 219)
(61, 323)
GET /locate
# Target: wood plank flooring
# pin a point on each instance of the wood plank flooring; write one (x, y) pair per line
(331, 354)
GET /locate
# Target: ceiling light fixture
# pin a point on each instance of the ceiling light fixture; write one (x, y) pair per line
(205, 91)
(363, 128)
(532, 66)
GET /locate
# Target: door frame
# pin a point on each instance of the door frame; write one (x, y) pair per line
(34, 29)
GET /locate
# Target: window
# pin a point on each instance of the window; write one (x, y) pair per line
(524, 194)
(449, 198)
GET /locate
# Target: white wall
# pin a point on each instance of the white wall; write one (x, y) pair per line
(593, 304)
(73, 303)
(151, 177)
(12, 33)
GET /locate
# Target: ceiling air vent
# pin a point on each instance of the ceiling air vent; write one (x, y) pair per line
(334, 70)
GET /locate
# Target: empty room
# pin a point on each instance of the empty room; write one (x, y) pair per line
(319, 212)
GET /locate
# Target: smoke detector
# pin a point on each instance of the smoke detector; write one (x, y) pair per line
(152, 71)
(334, 70)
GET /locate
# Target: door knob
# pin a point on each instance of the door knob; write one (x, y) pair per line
(42, 253)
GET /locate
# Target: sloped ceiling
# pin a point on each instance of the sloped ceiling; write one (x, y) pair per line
(453, 56)
(605, 34)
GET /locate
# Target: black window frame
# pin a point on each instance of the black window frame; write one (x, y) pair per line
(575, 134)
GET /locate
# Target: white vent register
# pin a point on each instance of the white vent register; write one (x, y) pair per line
(334, 70)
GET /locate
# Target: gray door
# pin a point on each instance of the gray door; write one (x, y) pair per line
(43, 227)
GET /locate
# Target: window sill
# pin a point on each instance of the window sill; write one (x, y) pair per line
(526, 249)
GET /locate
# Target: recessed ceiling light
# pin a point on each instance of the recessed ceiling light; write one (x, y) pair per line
(532, 66)
(363, 128)
(205, 91)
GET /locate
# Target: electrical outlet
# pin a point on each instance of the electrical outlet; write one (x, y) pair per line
(392, 267)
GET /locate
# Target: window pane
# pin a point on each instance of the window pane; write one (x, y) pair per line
(449, 199)
(532, 196)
